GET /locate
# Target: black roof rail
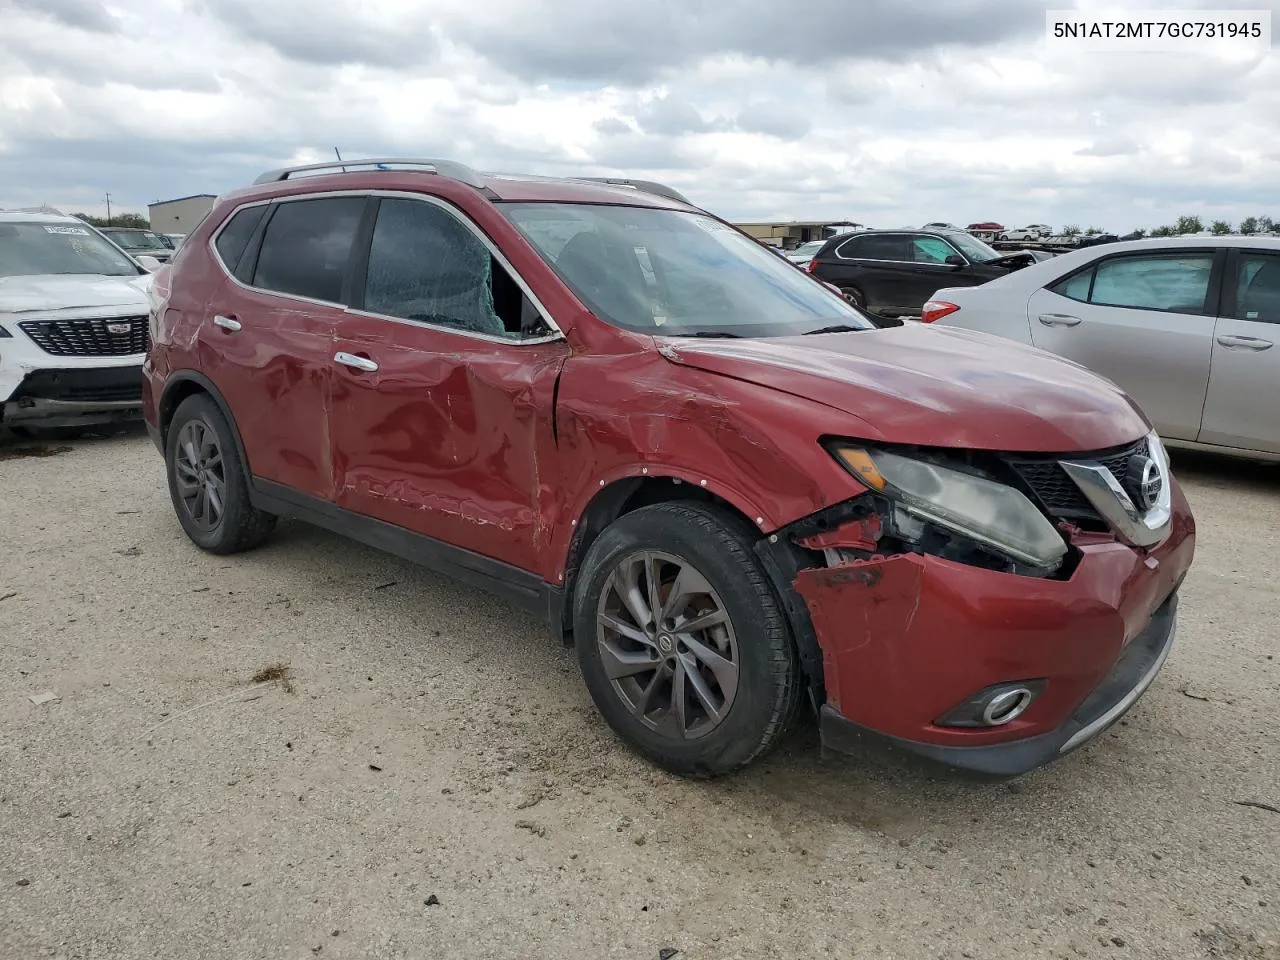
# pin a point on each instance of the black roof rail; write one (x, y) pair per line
(645, 186)
(444, 168)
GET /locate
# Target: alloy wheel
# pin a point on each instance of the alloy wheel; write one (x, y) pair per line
(199, 475)
(667, 645)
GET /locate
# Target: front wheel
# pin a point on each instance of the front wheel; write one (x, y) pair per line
(207, 480)
(682, 643)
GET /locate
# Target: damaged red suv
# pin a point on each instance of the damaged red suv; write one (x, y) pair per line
(730, 490)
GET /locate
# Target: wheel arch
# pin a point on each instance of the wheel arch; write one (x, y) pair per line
(779, 557)
(187, 383)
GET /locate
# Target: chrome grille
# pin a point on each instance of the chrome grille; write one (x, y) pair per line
(91, 337)
(1057, 492)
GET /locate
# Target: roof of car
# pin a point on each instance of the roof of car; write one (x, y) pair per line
(407, 174)
(21, 216)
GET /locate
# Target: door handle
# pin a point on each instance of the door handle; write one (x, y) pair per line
(1058, 320)
(226, 323)
(355, 363)
(1249, 343)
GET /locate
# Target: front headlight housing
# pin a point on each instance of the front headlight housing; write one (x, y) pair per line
(989, 513)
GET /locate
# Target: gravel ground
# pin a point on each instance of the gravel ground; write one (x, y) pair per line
(430, 779)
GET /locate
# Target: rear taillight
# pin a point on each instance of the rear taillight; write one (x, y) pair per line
(936, 310)
(811, 266)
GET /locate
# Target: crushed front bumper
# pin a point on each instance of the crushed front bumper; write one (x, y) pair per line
(75, 395)
(1128, 680)
(906, 638)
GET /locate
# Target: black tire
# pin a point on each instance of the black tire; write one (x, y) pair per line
(239, 525)
(716, 544)
(855, 297)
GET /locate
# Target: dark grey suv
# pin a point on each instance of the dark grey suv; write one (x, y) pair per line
(893, 272)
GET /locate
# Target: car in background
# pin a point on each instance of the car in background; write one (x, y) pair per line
(1032, 232)
(802, 254)
(987, 226)
(137, 242)
(734, 495)
(891, 273)
(937, 225)
(172, 240)
(73, 326)
(1189, 327)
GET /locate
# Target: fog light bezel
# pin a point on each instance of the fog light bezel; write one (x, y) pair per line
(979, 710)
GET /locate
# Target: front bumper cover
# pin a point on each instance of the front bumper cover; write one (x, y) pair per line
(1128, 680)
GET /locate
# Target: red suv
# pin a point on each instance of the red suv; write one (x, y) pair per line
(729, 489)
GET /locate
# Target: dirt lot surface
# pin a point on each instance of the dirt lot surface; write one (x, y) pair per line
(431, 781)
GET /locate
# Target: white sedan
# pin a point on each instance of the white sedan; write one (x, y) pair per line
(1189, 327)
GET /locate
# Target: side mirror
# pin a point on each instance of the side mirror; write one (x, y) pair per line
(955, 260)
(150, 264)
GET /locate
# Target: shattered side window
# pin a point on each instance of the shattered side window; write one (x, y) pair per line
(427, 266)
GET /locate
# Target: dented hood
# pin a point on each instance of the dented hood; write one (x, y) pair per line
(933, 386)
(57, 292)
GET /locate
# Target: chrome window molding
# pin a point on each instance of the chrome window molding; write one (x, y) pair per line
(913, 263)
(449, 208)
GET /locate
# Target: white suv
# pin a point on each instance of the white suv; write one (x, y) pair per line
(73, 326)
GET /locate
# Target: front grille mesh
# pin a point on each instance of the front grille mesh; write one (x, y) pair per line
(89, 338)
(1056, 491)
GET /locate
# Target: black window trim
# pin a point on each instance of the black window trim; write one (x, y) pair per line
(1228, 302)
(897, 233)
(359, 260)
(1213, 292)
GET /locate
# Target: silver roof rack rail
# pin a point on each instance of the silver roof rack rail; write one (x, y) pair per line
(645, 186)
(444, 168)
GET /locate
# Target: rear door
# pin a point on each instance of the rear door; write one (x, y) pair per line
(1143, 320)
(1242, 408)
(268, 336)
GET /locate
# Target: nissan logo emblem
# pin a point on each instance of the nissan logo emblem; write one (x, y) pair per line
(1145, 481)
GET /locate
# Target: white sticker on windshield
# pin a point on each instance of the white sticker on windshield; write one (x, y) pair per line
(73, 231)
(711, 225)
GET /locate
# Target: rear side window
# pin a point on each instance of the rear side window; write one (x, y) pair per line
(235, 236)
(1171, 283)
(307, 247)
(1258, 288)
(426, 265)
(876, 247)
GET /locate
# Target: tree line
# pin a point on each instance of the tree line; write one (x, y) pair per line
(119, 220)
(1190, 224)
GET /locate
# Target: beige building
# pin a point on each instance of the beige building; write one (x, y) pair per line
(181, 215)
(789, 234)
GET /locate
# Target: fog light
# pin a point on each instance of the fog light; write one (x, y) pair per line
(1006, 705)
(993, 706)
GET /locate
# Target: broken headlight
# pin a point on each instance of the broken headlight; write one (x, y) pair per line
(989, 513)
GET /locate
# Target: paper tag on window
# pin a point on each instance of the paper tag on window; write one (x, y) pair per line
(73, 231)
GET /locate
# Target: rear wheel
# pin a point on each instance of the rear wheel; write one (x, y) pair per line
(682, 644)
(207, 481)
(854, 296)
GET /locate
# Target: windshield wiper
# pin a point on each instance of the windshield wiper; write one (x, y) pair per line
(721, 334)
(834, 328)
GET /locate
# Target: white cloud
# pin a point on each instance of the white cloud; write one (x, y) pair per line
(753, 108)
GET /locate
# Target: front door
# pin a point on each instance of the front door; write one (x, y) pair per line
(1243, 404)
(444, 378)
(1144, 321)
(269, 338)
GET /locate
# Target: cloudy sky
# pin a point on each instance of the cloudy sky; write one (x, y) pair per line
(881, 111)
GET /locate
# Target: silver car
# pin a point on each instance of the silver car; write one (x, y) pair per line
(1189, 327)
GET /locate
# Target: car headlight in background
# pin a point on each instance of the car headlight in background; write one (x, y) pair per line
(989, 513)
